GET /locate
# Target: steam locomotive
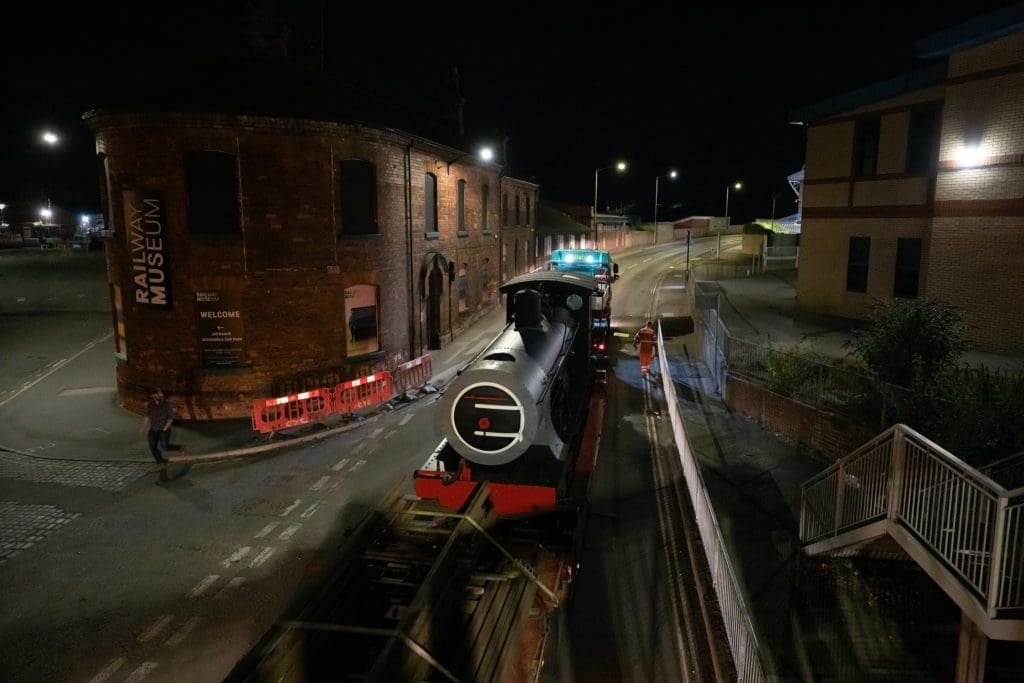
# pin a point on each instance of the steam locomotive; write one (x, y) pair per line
(514, 414)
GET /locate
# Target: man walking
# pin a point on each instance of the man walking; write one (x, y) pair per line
(646, 341)
(160, 416)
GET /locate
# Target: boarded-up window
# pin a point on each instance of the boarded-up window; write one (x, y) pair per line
(357, 194)
(211, 180)
(484, 193)
(430, 204)
(462, 206)
(857, 264)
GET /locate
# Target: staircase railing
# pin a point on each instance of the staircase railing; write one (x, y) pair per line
(903, 484)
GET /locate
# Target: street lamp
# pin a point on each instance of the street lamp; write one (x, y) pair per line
(620, 166)
(50, 138)
(672, 175)
(46, 213)
(735, 186)
(3, 223)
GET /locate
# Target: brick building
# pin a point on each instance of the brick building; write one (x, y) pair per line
(285, 231)
(915, 186)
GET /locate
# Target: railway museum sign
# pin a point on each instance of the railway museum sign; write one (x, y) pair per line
(220, 327)
(146, 228)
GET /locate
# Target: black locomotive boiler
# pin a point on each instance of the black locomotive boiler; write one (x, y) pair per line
(514, 414)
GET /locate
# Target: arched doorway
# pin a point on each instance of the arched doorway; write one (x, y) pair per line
(431, 289)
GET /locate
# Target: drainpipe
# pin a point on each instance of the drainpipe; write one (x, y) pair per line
(410, 292)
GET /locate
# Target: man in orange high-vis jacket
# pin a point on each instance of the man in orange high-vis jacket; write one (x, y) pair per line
(646, 341)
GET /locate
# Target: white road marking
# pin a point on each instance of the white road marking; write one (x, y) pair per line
(289, 532)
(266, 530)
(154, 630)
(340, 465)
(358, 447)
(310, 511)
(140, 674)
(376, 432)
(108, 671)
(203, 585)
(336, 483)
(261, 558)
(389, 434)
(182, 633)
(288, 510)
(358, 465)
(56, 366)
(232, 584)
(405, 420)
(649, 258)
(236, 557)
(319, 484)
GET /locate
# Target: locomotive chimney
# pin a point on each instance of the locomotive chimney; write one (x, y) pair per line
(526, 307)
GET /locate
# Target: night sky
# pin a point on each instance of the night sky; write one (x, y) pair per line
(701, 88)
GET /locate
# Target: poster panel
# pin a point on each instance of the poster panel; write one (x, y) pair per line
(361, 319)
(221, 329)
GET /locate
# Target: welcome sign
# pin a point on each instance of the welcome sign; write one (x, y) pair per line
(221, 328)
(146, 228)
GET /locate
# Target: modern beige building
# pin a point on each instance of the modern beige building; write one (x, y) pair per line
(914, 187)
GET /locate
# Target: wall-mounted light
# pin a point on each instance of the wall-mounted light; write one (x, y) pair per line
(970, 155)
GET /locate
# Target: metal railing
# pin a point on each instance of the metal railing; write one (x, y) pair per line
(971, 524)
(743, 643)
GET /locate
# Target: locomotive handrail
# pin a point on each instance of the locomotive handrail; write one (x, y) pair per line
(482, 350)
(476, 525)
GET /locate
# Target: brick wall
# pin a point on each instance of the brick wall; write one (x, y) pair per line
(823, 432)
(973, 226)
(290, 267)
(824, 250)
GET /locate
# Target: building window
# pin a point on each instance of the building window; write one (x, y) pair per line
(866, 163)
(357, 197)
(484, 193)
(908, 267)
(528, 220)
(461, 207)
(430, 204)
(504, 209)
(921, 140)
(518, 222)
(103, 172)
(857, 264)
(463, 289)
(361, 320)
(211, 181)
(120, 349)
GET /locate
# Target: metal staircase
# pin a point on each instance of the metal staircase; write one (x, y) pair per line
(962, 526)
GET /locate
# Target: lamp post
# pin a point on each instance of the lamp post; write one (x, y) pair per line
(737, 186)
(620, 166)
(3, 223)
(672, 175)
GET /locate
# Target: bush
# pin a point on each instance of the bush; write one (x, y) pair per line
(912, 342)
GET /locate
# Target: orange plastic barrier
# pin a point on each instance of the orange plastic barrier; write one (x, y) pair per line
(415, 373)
(362, 393)
(274, 414)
